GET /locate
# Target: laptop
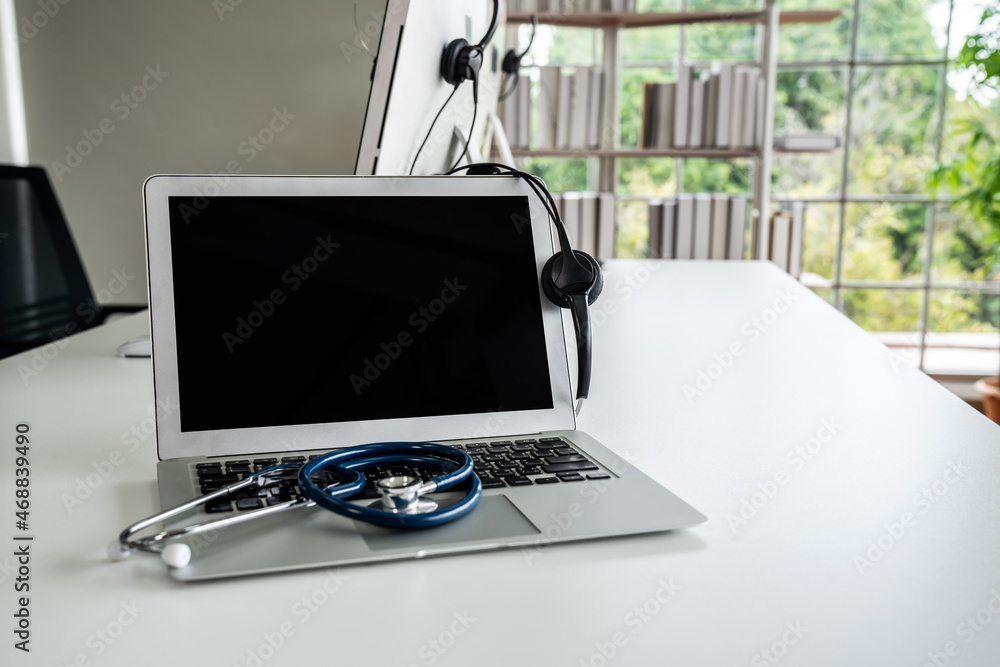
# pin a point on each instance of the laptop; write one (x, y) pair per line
(296, 315)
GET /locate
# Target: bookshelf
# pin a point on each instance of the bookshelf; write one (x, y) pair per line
(610, 151)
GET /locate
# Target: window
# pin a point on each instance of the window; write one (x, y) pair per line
(903, 261)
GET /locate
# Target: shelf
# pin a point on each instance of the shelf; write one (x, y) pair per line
(650, 19)
(711, 153)
(720, 153)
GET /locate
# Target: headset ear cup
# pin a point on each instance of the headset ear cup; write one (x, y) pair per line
(549, 288)
(511, 62)
(451, 71)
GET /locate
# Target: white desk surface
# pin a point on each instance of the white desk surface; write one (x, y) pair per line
(903, 464)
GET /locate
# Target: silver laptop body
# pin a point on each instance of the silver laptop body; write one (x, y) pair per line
(295, 315)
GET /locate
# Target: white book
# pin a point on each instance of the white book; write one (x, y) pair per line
(696, 137)
(508, 114)
(684, 230)
(655, 207)
(523, 93)
(595, 108)
(569, 209)
(664, 133)
(711, 109)
(548, 107)
(565, 108)
(669, 232)
(588, 224)
(781, 236)
(737, 227)
(578, 116)
(806, 142)
(720, 226)
(682, 105)
(736, 107)
(606, 226)
(758, 139)
(702, 226)
(749, 129)
(795, 243)
(724, 106)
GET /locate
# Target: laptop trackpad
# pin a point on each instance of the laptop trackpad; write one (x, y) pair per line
(494, 520)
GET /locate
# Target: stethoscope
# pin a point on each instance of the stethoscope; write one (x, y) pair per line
(401, 502)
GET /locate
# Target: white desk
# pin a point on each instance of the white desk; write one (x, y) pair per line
(828, 445)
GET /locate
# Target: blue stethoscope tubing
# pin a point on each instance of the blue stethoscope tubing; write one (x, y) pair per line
(333, 498)
(344, 463)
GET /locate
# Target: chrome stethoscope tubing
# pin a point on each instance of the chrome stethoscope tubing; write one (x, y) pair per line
(400, 504)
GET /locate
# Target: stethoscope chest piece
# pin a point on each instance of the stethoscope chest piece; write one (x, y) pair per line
(402, 495)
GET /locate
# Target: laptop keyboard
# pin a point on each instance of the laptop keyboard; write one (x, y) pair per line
(499, 464)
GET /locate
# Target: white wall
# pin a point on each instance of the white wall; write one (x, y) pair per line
(222, 67)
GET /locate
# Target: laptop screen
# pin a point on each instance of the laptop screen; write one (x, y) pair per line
(314, 309)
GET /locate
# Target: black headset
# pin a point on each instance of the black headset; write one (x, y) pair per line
(574, 284)
(461, 60)
(512, 63)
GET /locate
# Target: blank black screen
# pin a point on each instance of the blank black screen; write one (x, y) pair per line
(300, 310)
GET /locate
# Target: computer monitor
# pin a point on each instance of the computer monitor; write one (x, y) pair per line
(408, 89)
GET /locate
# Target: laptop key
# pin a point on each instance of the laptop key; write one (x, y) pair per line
(567, 467)
(218, 506)
(518, 481)
(572, 458)
(572, 477)
(293, 459)
(566, 451)
(529, 441)
(249, 503)
(208, 464)
(238, 468)
(228, 478)
(493, 483)
(550, 440)
(547, 480)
